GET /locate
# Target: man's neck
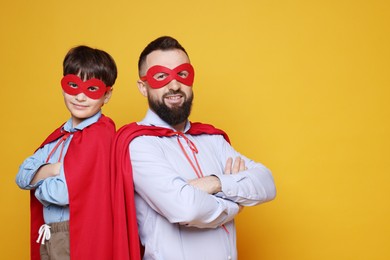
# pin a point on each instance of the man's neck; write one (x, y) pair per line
(180, 127)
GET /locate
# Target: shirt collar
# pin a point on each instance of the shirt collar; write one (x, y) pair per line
(86, 122)
(153, 119)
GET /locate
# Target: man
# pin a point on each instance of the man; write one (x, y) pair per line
(188, 189)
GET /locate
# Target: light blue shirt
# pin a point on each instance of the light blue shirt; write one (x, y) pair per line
(52, 192)
(177, 220)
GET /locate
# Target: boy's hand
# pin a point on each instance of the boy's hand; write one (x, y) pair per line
(55, 169)
(48, 170)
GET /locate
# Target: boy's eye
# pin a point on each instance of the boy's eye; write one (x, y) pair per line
(73, 85)
(93, 89)
(183, 74)
(160, 76)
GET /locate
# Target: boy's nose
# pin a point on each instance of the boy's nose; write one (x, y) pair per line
(81, 97)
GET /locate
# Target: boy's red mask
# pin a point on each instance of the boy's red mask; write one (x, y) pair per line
(92, 88)
(169, 75)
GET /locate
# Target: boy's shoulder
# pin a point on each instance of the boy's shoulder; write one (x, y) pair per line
(104, 122)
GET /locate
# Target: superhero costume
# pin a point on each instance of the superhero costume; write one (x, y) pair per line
(87, 173)
(126, 240)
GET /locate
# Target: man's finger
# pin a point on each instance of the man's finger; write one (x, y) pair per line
(228, 166)
(236, 165)
(242, 165)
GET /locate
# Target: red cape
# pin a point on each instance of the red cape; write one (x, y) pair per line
(126, 240)
(87, 172)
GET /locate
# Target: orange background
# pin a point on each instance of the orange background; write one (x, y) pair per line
(301, 86)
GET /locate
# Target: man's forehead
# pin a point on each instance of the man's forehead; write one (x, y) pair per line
(167, 58)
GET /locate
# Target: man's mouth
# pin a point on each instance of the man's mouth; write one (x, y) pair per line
(174, 99)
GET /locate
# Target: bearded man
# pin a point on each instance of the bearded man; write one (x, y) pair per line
(189, 182)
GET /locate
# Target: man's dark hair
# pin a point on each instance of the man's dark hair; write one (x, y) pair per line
(163, 43)
(90, 63)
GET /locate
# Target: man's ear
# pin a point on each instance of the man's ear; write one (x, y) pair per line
(142, 88)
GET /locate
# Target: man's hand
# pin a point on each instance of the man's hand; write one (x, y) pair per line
(209, 184)
(238, 166)
(48, 170)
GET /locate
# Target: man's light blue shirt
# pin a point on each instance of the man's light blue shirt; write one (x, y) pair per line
(52, 192)
(177, 220)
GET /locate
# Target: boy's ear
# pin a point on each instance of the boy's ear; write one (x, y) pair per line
(142, 88)
(108, 95)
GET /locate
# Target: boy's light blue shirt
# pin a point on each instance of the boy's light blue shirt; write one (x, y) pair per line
(52, 192)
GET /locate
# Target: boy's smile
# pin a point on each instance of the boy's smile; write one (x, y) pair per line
(81, 106)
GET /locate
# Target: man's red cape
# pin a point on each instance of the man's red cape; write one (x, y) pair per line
(87, 173)
(126, 240)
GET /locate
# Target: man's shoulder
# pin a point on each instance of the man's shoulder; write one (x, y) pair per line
(198, 128)
(139, 129)
(129, 132)
(130, 128)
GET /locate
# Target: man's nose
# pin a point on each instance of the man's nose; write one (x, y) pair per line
(174, 85)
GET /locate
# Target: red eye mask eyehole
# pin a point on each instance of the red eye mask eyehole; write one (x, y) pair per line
(159, 76)
(92, 88)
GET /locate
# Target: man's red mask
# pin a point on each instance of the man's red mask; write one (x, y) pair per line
(159, 76)
(92, 88)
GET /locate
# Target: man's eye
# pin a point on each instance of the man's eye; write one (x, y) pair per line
(93, 89)
(183, 74)
(73, 85)
(160, 76)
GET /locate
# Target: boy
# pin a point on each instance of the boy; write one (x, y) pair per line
(68, 175)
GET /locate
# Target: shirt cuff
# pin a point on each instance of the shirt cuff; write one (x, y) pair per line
(229, 184)
(36, 185)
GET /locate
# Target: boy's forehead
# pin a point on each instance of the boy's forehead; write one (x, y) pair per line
(84, 74)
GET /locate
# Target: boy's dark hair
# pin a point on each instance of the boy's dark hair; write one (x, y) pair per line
(90, 63)
(163, 43)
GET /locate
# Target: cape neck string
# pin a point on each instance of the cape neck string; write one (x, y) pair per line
(191, 145)
(60, 141)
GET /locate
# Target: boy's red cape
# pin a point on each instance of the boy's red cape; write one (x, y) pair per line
(87, 170)
(126, 240)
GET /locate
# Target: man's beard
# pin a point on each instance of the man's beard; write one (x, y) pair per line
(175, 115)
